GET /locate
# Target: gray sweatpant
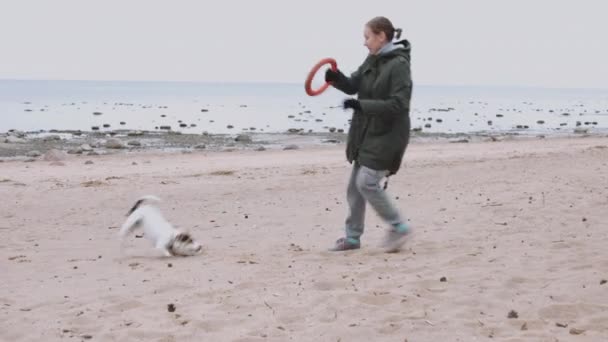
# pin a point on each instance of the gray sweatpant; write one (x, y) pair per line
(364, 187)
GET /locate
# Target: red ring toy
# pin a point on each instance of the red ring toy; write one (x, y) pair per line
(313, 71)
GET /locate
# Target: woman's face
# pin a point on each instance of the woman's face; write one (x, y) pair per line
(374, 42)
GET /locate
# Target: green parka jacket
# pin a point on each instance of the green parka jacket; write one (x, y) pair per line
(379, 133)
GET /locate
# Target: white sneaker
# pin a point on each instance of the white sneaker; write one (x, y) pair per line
(396, 237)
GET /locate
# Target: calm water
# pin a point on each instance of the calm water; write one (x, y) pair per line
(45, 105)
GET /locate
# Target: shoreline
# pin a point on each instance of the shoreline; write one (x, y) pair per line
(31, 145)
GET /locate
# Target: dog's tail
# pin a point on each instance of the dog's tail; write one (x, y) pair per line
(141, 201)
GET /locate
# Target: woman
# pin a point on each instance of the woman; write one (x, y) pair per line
(379, 131)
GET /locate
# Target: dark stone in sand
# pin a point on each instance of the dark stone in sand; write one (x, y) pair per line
(76, 150)
(540, 122)
(318, 120)
(294, 130)
(171, 307)
(106, 125)
(261, 149)
(97, 113)
(439, 120)
(563, 124)
(340, 130)
(179, 121)
(95, 128)
(291, 147)
(490, 122)
(192, 125)
(33, 154)
(165, 127)
(243, 106)
(578, 123)
(204, 110)
(512, 314)
(565, 114)
(291, 116)
(499, 115)
(163, 116)
(603, 281)
(230, 127)
(243, 138)
(417, 129)
(123, 123)
(443, 279)
(427, 126)
(183, 125)
(332, 129)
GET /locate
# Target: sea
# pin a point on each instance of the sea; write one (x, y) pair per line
(233, 108)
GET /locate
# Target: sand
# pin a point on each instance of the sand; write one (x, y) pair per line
(510, 242)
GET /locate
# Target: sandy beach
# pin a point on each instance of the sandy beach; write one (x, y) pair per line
(510, 245)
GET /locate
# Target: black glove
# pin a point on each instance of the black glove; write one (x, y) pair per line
(331, 76)
(352, 103)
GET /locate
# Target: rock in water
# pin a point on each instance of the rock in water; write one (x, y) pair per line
(33, 154)
(54, 155)
(13, 140)
(114, 144)
(243, 138)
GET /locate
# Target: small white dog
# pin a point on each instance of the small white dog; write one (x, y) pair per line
(164, 236)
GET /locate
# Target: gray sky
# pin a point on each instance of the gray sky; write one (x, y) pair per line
(552, 43)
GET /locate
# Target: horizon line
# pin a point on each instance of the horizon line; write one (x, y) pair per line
(299, 83)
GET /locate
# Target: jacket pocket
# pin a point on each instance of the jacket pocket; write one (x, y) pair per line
(380, 126)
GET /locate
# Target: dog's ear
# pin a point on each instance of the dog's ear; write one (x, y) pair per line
(135, 206)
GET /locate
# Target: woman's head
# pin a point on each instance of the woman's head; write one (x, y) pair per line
(378, 32)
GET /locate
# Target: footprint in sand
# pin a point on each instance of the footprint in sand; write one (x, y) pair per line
(93, 184)
(570, 312)
(19, 258)
(329, 285)
(124, 306)
(379, 299)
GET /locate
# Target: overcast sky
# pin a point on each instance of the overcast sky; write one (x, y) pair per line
(551, 43)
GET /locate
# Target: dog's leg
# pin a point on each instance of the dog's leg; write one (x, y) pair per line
(130, 224)
(165, 247)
